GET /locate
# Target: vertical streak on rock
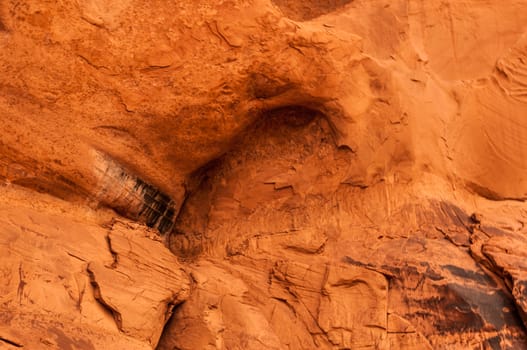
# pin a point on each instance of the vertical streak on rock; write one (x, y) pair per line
(2, 25)
(21, 283)
(132, 197)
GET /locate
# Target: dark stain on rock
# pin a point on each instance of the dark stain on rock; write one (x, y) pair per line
(158, 209)
(493, 306)
(309, 9)
(458, 313)
(433, 275)
(466, 309)
(133, 197)
(3, 27)
(493, 231)
(261, 86)
(455, 215)
(516, 341)
(492, 343)
(479, 278)
(520, 296)
(354, 262)
(452, 222)
(21, 284)
(66, 343)
(292, 116)
(476, 306)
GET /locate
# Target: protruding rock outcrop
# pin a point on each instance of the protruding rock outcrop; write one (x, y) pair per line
(69, 282)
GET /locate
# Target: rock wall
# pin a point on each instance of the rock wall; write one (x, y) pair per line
(263, 174)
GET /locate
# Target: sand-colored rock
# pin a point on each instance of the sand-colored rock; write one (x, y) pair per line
(74, 281)
(263, 174)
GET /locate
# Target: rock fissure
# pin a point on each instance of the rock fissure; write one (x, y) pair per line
(116, 315)
(11, 342)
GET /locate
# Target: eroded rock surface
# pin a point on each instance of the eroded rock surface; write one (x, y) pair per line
(263, 174)
(74, 280)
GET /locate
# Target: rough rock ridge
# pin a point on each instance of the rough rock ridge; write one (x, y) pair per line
(263, 174)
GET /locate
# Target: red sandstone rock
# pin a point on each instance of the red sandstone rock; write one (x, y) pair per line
(263, 174)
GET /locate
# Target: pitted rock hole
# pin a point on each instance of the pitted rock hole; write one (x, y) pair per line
(309, 9)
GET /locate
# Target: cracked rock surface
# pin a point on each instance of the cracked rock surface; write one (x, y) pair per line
(263, 174)
(73, 282)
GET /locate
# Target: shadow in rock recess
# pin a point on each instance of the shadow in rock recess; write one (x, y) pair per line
(280, 140)
(305, 10)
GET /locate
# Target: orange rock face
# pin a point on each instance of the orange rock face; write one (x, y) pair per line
(263, 174)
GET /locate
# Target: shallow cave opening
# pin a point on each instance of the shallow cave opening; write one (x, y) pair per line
(277, 139)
